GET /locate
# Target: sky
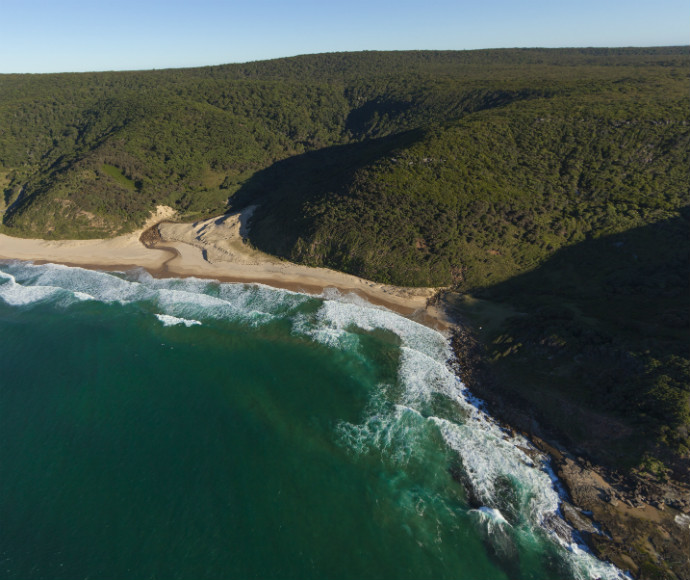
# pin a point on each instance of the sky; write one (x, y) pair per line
(77, 35)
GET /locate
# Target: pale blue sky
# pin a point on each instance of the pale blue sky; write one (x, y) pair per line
(80, 35)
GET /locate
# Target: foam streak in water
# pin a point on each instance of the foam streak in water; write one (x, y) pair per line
(512, 488)
(517, 495)
(168, 320)
(16, 294)
(23, 284)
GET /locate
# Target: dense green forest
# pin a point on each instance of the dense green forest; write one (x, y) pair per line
(552, 183)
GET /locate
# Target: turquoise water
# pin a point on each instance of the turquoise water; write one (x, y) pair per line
(190, 429)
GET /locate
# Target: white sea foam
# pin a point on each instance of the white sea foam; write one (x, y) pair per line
(492, 514)
(423, 375)
(16, 294)
(335, 318)
(188, 298)
(399, 417)
(512, 488)
(4, 276)
(254, 304)
(397, 434)
(168, 320)
(83, 296)
(258, 297)
(102, 286)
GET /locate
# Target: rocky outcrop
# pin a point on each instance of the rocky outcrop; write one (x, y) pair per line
(633, 520)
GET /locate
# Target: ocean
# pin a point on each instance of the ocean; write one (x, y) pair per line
(191, 429)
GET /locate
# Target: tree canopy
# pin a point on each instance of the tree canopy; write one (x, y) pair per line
(554, 181)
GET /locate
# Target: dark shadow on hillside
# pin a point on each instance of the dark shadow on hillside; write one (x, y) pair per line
(362, 119)
(285, 191)
(384, 112)
(631, 276)
(599, 354)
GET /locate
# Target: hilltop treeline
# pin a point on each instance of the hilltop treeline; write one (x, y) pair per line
(192, 138)
(498, 172)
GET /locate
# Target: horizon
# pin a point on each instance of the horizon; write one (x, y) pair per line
(238, 63)
(78, 36)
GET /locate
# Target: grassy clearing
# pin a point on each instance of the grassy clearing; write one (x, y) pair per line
(116, 174)
(7, 194)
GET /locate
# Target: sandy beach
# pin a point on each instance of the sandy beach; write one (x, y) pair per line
(215, 248)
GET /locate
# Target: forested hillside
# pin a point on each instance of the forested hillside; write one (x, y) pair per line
(89, 155)
(493, 172)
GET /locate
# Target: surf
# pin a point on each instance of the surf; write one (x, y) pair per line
(406, 429)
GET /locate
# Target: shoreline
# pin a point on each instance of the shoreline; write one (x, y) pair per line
(215, 249)
(576, 513)
(621, 518)
(429, 315)
(435, 310)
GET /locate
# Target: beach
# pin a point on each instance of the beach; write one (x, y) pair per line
(181, 427)
(216, 248)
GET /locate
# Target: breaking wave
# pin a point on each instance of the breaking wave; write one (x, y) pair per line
(516, 499)
(511, 496)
